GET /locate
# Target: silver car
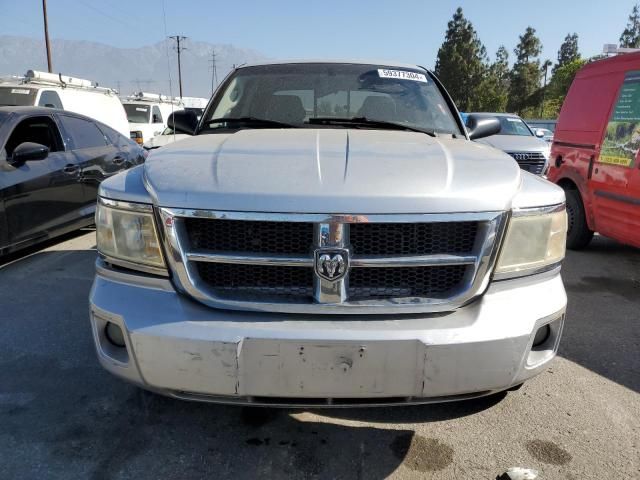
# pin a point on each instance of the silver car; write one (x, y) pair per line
(527, 146)
(329, 236)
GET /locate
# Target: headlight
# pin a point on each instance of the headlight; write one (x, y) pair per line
(126, 235)
(535, 239)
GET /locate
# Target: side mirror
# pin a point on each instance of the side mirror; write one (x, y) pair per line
(538, 132)
(480, 127)
(28, 151)
(183, 121)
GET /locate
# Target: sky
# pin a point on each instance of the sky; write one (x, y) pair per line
(401, 30)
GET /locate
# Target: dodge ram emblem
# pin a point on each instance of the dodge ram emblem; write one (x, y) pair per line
(331, 264)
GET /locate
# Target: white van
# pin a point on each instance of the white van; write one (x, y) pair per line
(67, 93)
(148, 113)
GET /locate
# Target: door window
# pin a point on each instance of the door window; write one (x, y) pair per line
(82, 133)
(156, 116)
(42, 130)
(50, 99)
(116, 138)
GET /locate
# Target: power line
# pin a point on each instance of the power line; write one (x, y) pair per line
(179, 49)
(139, 83)
(107, 15)
(214, 72)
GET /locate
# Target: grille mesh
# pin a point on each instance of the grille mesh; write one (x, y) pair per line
(413, 238)
(533, 162)
(260, 282)
(230, 279)
(250, 236)
(434, 282)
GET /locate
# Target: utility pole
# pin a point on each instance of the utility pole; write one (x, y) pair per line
(545, 65)
(178, 39)
(46, 35)
(214, 73)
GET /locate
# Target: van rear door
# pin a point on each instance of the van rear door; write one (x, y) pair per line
(615, 179)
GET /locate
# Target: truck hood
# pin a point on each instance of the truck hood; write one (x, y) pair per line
(331, 171)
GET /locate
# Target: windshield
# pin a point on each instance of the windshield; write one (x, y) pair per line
(295, 94)
(514, 126)
(137, 113)
(17, 96)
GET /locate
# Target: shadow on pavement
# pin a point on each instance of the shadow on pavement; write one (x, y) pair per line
(602, 331)
(419, 413)
(38, 248)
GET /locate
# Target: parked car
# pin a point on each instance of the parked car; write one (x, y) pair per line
(540, 123)
(595, 151)
(51, 165)
(165, 138)
(526, 146)
(67, 93)
(366, 253)
(148, 113)
(544, 133)
(169, 135)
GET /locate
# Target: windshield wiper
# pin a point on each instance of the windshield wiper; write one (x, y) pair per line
(251, 121)
(367, 122)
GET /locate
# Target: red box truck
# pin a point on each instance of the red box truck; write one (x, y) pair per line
(594, 155)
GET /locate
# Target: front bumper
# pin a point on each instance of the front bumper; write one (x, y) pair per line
(179, 347)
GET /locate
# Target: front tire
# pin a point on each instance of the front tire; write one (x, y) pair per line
(579, 235)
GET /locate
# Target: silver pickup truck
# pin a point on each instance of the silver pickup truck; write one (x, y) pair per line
(328, 236)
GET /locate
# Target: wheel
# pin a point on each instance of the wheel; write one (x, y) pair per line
(579, 234)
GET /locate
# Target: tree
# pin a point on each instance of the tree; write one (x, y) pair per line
(493, 91)
(630, 37)
(526, 74)
(561, 81)
(568, 51)
(556, 90)
(461, 61)
(544, 68)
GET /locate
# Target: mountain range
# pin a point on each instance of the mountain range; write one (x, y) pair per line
(127, 69)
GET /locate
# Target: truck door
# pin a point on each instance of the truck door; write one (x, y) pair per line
(157, 121)
(39, 195)
(614, 180)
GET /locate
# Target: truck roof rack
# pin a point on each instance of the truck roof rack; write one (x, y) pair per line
(35, 77)
(152, 97)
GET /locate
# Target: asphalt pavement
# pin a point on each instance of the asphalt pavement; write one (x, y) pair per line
(63, 417)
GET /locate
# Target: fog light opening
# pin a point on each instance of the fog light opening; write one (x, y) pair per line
(114, 334)
(541, 335)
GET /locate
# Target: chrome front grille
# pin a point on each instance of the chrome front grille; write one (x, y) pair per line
(533, 162)
(392, 264)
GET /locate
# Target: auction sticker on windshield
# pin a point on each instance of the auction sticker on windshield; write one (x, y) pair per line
(402, 74)
(21, 91)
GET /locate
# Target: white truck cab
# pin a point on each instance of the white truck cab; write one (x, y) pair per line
(66, 93)
(148, 113)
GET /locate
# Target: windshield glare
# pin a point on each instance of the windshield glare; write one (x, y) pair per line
(295, 93)
(514, 126)
(17, 96)
(137, 113)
